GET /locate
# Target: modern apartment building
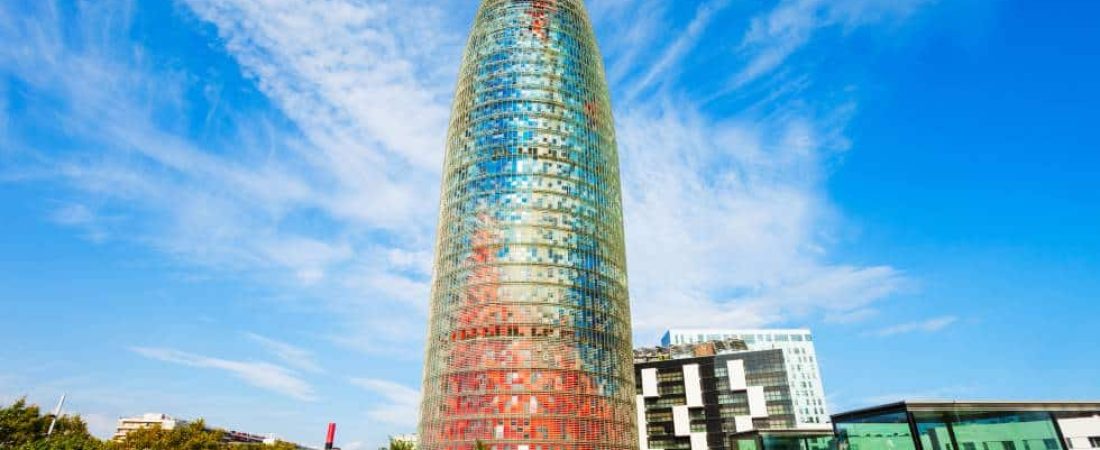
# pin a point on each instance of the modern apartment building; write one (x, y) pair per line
(694, 396)
(529, 338)
(799, 356)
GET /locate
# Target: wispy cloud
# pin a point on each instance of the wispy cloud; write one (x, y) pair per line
(944, 393)
(331, 195)
(260, 374)
(924, 326)
(776, 35)
(724, 221)
(678, 48)
(296, 357)
(631, 29)
(368, 100)
(310, 207)
(401, 403)
(727, 220)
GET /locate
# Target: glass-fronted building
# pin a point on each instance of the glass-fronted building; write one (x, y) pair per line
(800, 357)
(970, 426)
(529, 344)
(783, 440)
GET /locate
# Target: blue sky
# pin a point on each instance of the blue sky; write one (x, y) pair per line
(225, 209)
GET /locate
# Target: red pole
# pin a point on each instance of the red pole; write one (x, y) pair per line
(331, 436)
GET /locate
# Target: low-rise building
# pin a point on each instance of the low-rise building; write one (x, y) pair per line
(126, 425)
(783, 440)
(955, 425)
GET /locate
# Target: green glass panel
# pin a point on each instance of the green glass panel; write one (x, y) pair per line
(934, 434)
(888, 431)
(1006, 431)
(782, 443)
(820, 443)
(745, 444)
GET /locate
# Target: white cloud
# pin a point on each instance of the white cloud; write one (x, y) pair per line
(630, 30)
(249, 201)
(727, 221)
(372, 103)
(776, 35)
(401, 403)
(724, 222)
(924, 326)
(943, 393)
(679, 47)
(296, 357)
(260, 374)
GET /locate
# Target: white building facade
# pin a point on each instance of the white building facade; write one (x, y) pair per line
(128, 424)
(803, 372)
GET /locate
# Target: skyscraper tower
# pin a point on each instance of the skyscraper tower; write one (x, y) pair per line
(529, 341)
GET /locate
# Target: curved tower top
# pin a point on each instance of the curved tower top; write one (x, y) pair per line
(529, 341)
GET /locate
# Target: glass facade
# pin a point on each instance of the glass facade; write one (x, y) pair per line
(783, 440)
(988, 431)
(878, 432)
(529, 344)
(968, 426)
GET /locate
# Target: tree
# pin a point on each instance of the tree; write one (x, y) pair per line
(278, 445)
(24, 427)
(20, 424)
(398, 444)
(189, 436)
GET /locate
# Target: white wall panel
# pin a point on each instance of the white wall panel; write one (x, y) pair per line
(681, 421)
(742, 423)
(698, 441)
(693, 387)
(643, 426)
(649, 383)
(758, 406)
(736, 370)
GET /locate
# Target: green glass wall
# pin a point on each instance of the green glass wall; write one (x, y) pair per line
(1005, 431)
(965, 428)
(765, 440)
(889, 431)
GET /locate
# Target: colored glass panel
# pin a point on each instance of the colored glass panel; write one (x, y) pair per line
(529, 344)
(884, 431)
(1006, 431)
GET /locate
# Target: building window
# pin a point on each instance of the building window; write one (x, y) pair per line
(1094, 441)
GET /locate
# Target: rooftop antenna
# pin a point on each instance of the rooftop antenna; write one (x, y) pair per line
(56, 414)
